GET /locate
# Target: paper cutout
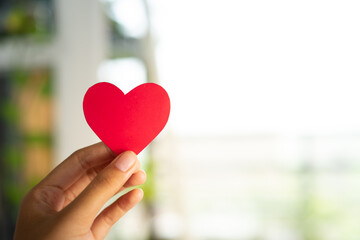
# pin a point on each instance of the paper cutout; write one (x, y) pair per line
(126, 122)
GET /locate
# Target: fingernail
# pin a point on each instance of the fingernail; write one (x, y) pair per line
(141, 193)
(125, 161)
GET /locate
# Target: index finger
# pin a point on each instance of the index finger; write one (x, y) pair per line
(105, 185)
(72, 168)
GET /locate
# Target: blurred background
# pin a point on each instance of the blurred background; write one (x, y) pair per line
(263, 141)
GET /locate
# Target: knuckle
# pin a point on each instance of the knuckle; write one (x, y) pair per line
(50, 196)
(80, 157)
(36, 193)
(108, 218)
(103, 180)
(91, 174)
(70, 195)
(78, 153)
(125, 204)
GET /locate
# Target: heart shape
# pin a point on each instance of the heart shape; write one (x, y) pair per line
(126, 121)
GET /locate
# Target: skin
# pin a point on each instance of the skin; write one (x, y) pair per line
(67, 202)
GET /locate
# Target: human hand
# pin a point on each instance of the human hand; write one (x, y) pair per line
(66, 203)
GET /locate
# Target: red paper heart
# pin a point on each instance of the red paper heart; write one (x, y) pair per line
(126, 122)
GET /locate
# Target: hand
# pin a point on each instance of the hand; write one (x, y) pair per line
(65, 204)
